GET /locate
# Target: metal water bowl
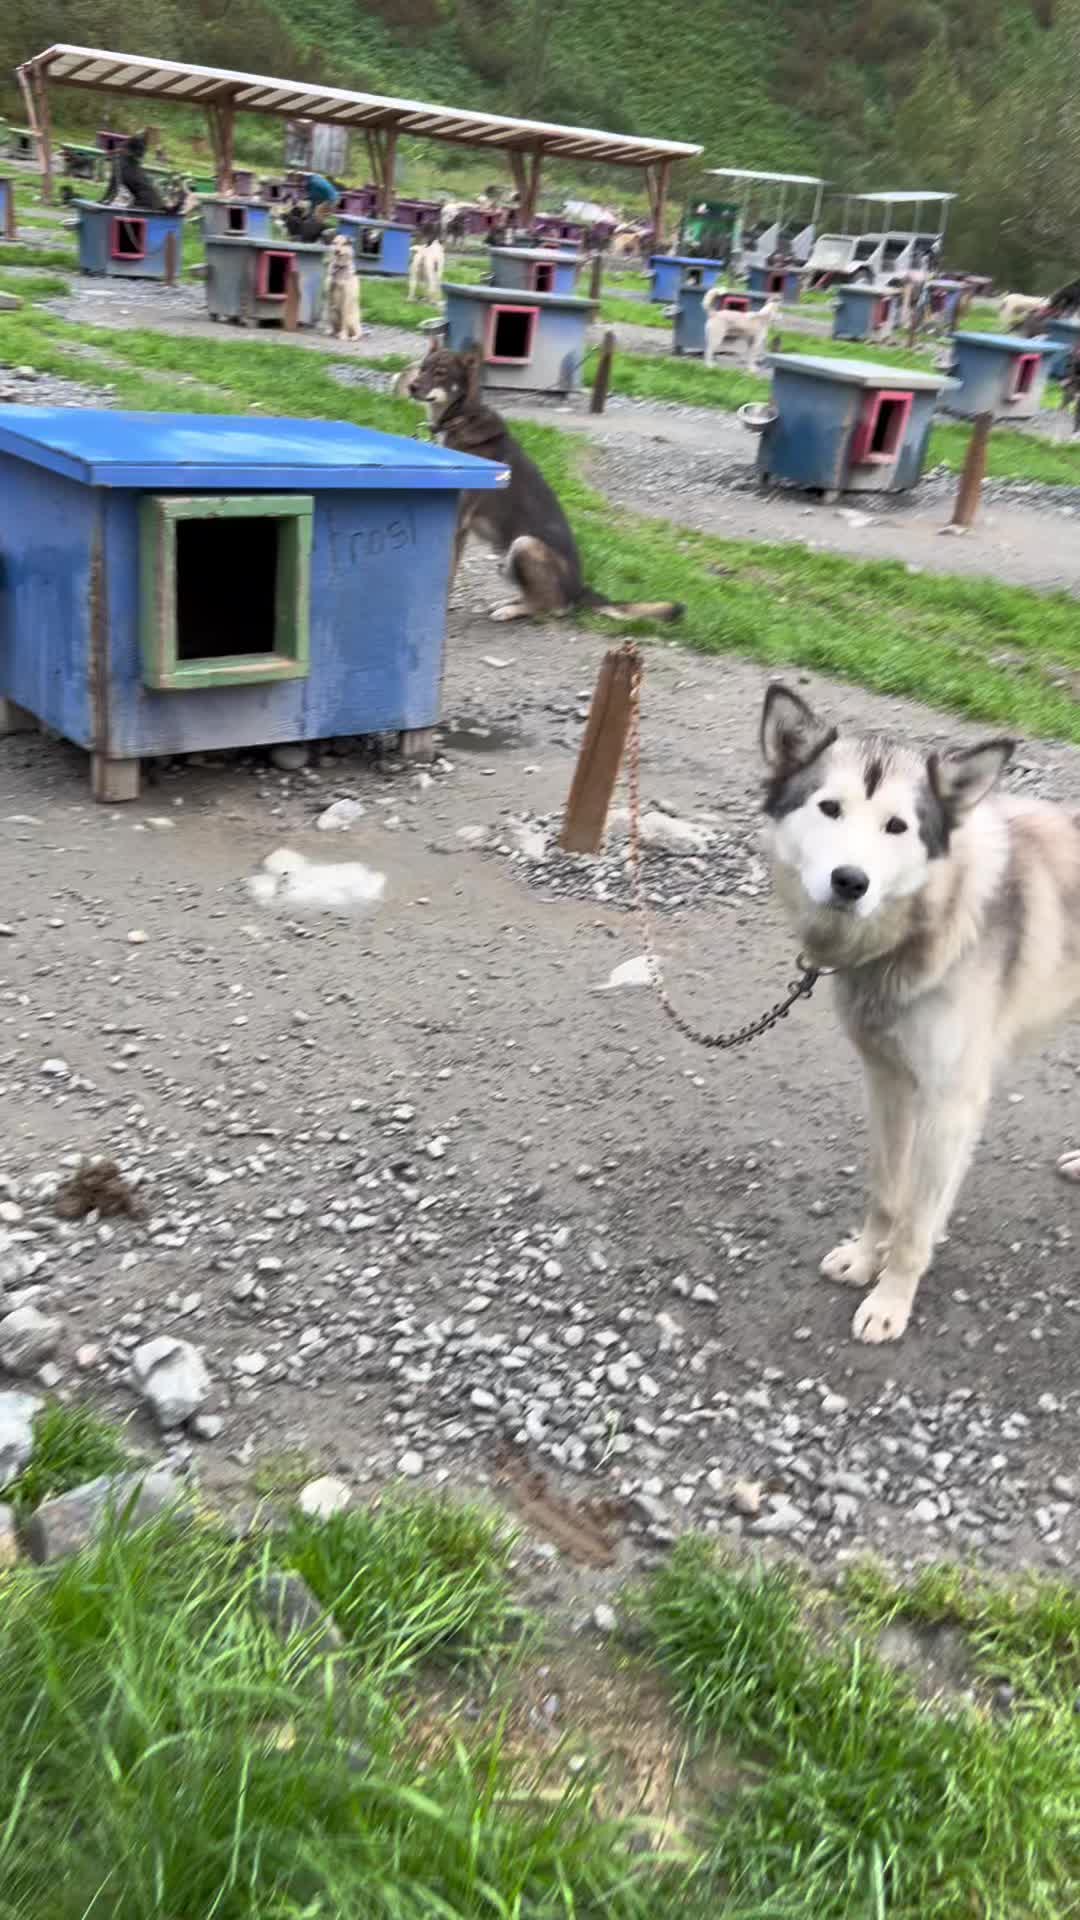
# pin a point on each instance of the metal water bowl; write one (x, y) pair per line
(756, 415)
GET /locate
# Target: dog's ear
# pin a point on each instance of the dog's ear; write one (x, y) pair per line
(965, 776)
(791, 733)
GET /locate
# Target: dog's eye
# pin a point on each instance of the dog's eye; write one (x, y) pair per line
(896, 825)
(830, 808)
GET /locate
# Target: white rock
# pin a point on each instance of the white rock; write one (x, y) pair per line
(783, 1519)
(853, 517)
(27, 1339)
(411, 1464)
(340, 816)
(746, 1497)
(628, 973)
(834, 1403)
(17, 1411)
(250, 1364)
(664, 833)
(529, 841)
(322, 1498)
(290, 758)
(605, 1618)
(55, 1069)
(137, 938)
(298, 885)
(172, 1376)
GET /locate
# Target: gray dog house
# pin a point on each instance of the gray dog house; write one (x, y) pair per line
(847, 425)
(535, 269)
(1000, 373)
(247, 280)
(531, 341)
(244, 219)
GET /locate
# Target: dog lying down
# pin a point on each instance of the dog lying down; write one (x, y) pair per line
(291, 881)
(524, 522)
(950, 915)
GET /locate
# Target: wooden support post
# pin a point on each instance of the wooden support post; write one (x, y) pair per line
(34, 90)
(602, 376)
(601, 752)
(969, 492)
(113, 781)
(417, 743)
(292, 299)
(387, 192)
(596, 276)
(221, 121)
(657, 182)
(171, 251)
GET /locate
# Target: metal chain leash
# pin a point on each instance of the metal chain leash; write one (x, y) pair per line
(799, 989)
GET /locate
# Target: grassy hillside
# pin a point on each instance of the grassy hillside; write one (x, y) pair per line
(973, 95)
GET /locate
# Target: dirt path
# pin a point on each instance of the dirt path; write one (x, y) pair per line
(697, 466)
(422, 1195)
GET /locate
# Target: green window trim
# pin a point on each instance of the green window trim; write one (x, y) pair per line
(289, 658)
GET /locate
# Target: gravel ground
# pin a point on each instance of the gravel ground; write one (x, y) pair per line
(182, 310)
(425, 1201)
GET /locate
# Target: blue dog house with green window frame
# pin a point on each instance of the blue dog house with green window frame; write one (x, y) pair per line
(175, 583)
(129, 243)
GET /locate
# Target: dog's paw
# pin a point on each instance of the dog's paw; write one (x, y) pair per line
(1069, 1164)
(884, 1314)
(512, 611)
(850, 1263)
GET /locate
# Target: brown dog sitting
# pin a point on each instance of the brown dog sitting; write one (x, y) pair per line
(524, 522)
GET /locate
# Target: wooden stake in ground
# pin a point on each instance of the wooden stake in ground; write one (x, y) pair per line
(170, 259)
(969, 492)
(601, 751)
(292, 300)
(602, 378)
(596, 277)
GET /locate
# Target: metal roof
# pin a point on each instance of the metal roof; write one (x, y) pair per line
(102, 449)
(785, 179)
(137, 77)
(902, 199)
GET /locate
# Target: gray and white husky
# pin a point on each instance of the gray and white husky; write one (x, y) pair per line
(951, 915)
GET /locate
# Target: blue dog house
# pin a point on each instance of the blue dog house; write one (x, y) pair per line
(129, 243)
(847, 425)
(174, 583)
(7, 210)
(242, 218)
(1067, 334)
(535, 269)
(861, 313)
(688, 320)
(380, 246)
(1000, 373)
(530, 341)
(667, 270)
(776, 283)
(247, 280)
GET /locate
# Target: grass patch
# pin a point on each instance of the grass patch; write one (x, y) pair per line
(163, 1754)
(410, 1579)
(1026, 1632)
(866, 1803)
(12, 254)
(991, 652)
(71, 1446)
(29, 286)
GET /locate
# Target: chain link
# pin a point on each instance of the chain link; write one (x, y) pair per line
(799, 989)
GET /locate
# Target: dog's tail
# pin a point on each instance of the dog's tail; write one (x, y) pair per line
(632, 609)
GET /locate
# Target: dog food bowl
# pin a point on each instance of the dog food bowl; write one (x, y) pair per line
(757, 415)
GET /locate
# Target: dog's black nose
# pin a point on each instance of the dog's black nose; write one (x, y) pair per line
(849, 883)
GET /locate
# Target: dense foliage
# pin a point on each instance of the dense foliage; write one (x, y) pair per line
(975, 95)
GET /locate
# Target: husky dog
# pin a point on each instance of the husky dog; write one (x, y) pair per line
(951, 917)
(524, 521)
(724, 323)
(342, 293)
(426, 264)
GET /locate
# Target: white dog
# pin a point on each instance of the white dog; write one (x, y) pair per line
(426, 264)
(950, 916)
(727, 323)
(341, 296)
(1015, 307)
